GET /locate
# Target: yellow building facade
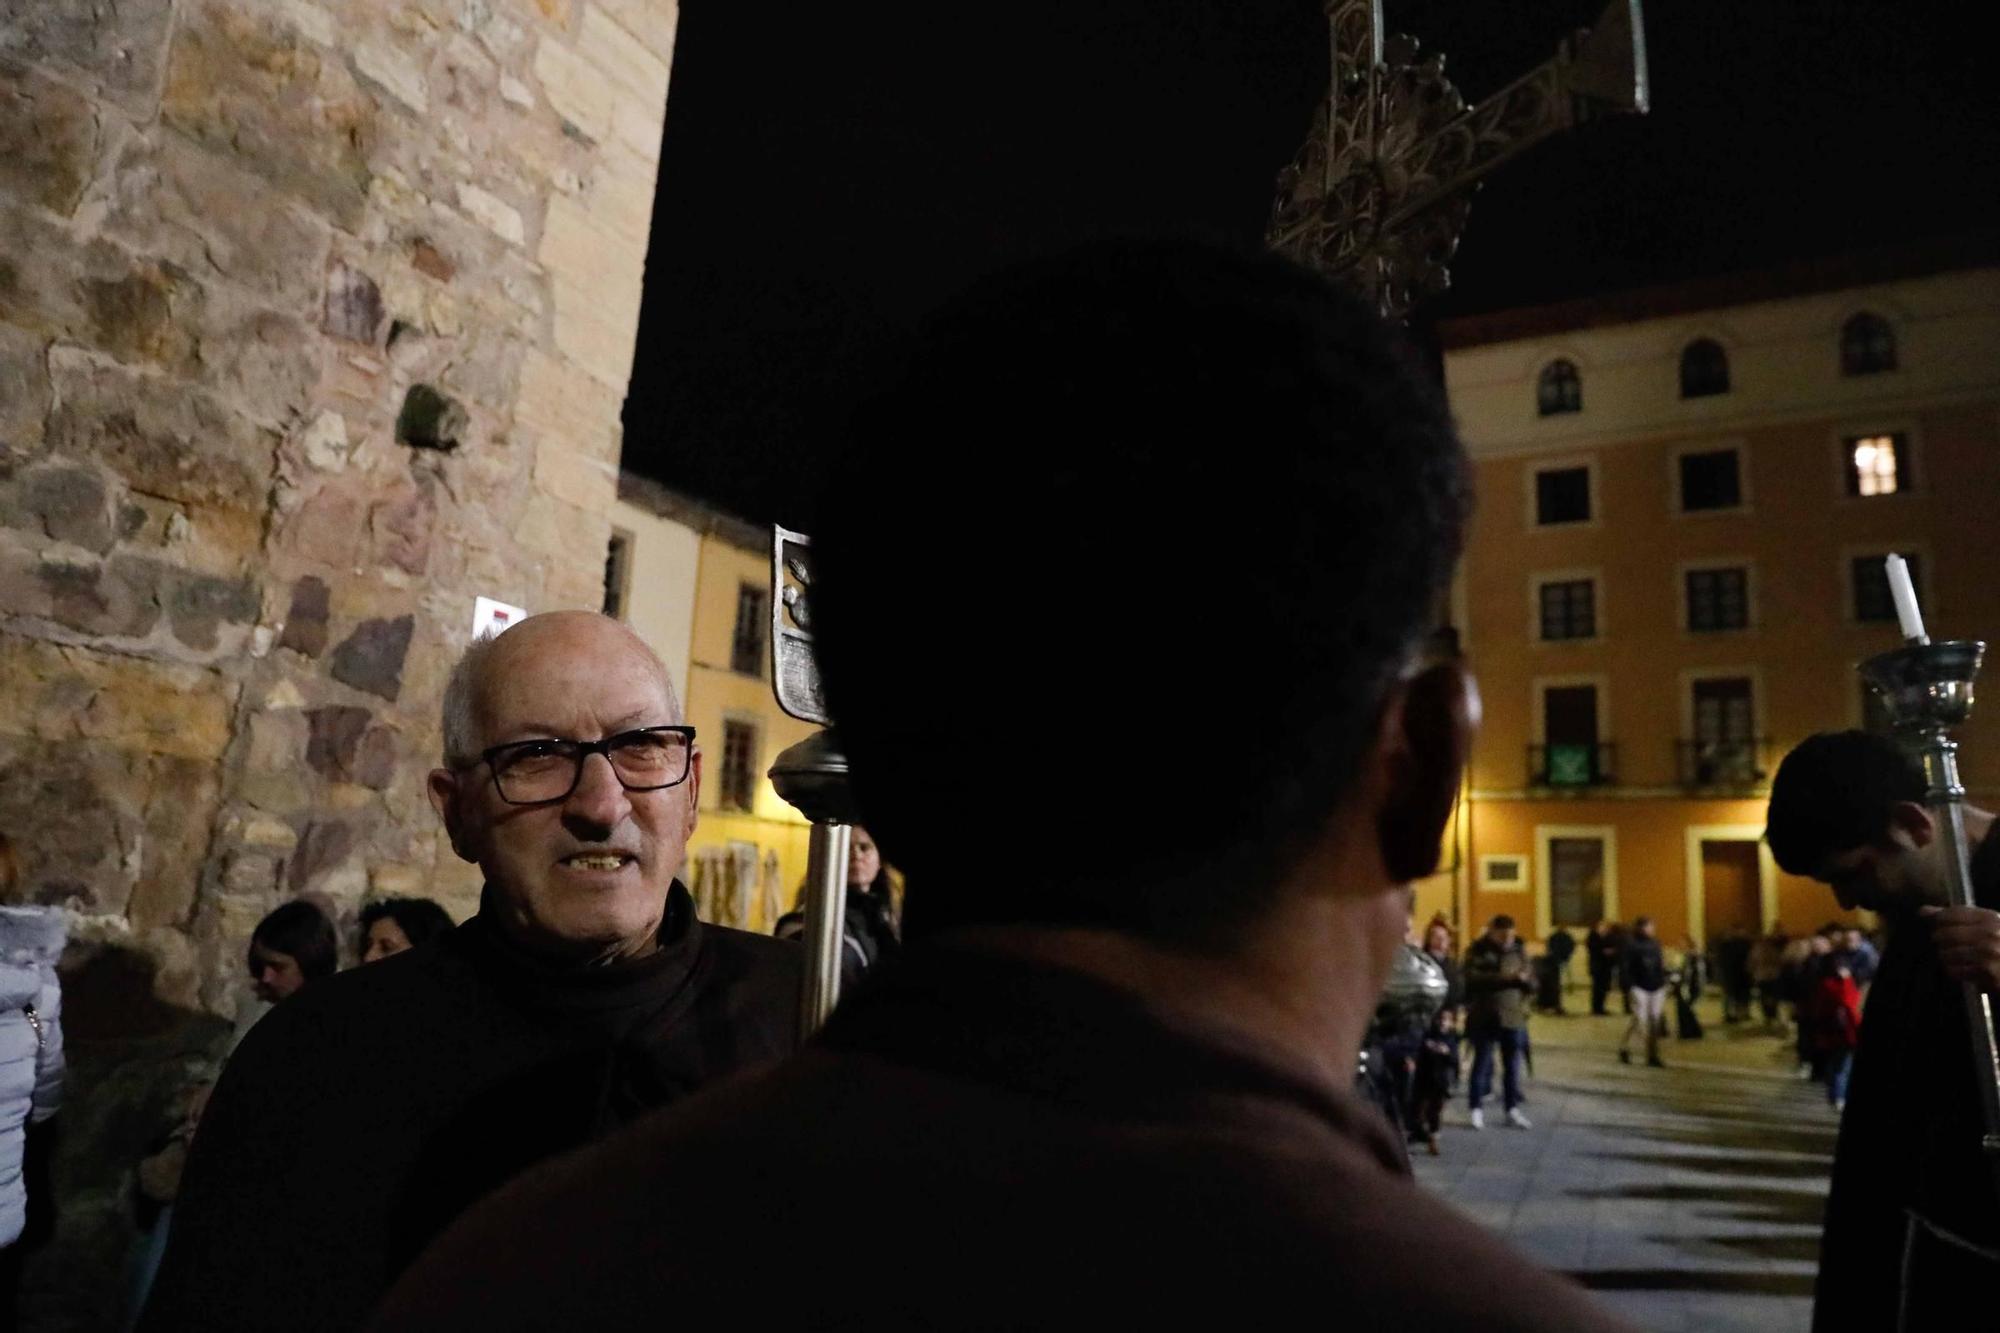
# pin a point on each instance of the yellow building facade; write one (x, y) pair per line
(1684, 499)
(696, 584)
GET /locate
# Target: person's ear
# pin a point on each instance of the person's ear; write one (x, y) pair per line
(443, 788)
(1429, 731)
(1914, 821)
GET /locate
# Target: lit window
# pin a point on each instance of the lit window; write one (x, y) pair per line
(1867, 345)
(1560, 389)
(1878, 464)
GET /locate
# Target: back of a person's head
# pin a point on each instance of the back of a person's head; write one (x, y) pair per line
(419, 919)
(1833, 793)
(303, 931)
(1121, 571)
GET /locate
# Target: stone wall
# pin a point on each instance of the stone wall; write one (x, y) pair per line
(315, 323)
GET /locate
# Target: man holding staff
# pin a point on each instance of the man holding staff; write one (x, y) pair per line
(1912, 1234)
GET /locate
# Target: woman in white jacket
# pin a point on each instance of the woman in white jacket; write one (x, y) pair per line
(31, 1056)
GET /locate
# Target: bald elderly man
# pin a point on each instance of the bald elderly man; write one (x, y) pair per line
(360, 1117)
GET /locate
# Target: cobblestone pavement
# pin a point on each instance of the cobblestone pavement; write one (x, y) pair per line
(1686, 1198)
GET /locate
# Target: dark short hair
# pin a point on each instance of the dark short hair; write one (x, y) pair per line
(1501, 922)
(1832, 793)
(419, 919)
(301, 930)
(1094, 459)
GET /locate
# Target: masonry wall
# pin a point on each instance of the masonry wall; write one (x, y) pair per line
(315, 323)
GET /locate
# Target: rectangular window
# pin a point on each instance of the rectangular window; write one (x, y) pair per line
(1711, 479)
(1569, 610)
(1724, 710)
(739, 765)
(617, 574)
(1503, 873)
(1562, 495)
(746, 650)
(1718, 599)
(1576, 881)
(1871, 587)
(1877, 464)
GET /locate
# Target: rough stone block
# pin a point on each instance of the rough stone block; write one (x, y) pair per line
(162, 439)
(603, 349)
(71, 504)
(335, 740)
(574, 477)
(147, 314)
(556, 398)
(267, 364)
(639, 127)
(58, 693)
(328, 527)
(652, 22)
(431, 261)
(198, 606)
(118, 44)
(48, 141)
(494, 213)
(353, 307)
(607, 44)
(24, 390)
(179, 817)
(305, 623)
(400, 528)
(595, 269)
(371, 658)
(322, 847)
(159, 199)
(248, 84)
(84, 804)
(576, 89)
(278, 740)
(394, 73)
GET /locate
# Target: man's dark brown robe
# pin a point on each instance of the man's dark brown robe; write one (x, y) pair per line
(977, 1142)
(362, 1115)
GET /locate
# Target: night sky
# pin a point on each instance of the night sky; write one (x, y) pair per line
(831, 171)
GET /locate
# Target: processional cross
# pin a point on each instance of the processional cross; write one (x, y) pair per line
(1379, 193)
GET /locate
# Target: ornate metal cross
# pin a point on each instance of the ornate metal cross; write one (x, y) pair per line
(1379, 193)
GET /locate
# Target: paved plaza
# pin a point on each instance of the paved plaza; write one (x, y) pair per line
(1687, 1198)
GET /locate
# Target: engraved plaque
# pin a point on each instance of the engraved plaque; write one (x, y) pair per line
(794, 673)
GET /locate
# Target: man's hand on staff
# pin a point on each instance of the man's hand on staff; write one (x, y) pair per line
(1968, 944)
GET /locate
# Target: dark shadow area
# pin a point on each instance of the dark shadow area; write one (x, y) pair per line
(1682, 1279)
(1784, 1249)
(1786, 1168)
(130, 1053)
(1736, 1203)
(1767, 1137)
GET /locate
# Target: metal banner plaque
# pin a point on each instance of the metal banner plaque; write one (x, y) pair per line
(794, 673)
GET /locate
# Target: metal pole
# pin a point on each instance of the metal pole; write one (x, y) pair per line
(826, 910)
(1947, 798)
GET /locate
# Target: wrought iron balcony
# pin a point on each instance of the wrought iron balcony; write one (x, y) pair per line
(1727, 764)
(1573, 766)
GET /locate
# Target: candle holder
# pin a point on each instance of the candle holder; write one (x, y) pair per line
(1928, 689)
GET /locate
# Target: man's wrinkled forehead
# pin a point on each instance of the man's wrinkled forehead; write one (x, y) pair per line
(559, 677)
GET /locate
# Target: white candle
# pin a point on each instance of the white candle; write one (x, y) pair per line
(1905, 594)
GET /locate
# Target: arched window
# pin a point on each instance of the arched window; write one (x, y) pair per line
(1867, 345)
(1704, 369)
(1560, 389)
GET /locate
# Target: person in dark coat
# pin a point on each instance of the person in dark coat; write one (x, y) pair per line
(869, 934)
(364, 1113)
(1601, 954)
(1912, 1236)
(1644, 969)
(1109, 1080)
(1498, 981)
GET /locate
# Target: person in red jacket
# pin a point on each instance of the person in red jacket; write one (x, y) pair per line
(1834, 1017)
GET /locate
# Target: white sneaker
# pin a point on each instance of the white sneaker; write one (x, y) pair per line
(1516, 1119)
(1839, 1106)
(1804, 1070)
(1478, 1119)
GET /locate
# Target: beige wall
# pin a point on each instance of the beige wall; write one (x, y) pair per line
(1787, 411)
(659, 592)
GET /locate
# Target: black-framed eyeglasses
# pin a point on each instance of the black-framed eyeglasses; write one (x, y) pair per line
(540, 771)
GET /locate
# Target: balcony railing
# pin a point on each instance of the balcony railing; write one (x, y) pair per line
(1573, 766)
(1742, 763)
